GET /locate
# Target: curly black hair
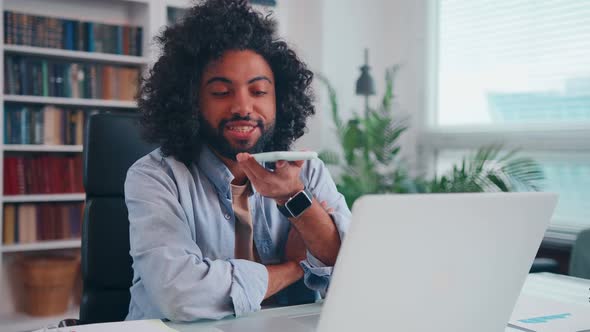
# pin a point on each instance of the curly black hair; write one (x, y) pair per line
(168, 95)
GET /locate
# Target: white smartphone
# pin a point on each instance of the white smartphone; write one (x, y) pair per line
(284, 155)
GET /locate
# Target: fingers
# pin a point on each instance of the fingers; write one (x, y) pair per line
(283, 163)
(278, 184)
(251, 167)
(298, 163)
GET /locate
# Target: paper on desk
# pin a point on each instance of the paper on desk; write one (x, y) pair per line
(542, 314)
(152, 325)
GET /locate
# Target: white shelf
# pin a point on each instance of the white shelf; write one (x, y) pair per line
(71, 55)
(151, 16)
(17, 322)
(71, 101)
(41, 245)
(44, 198)
(42, 148)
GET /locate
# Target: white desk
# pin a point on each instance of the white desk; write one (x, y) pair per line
(553, 286)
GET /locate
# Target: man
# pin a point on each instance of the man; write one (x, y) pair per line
(209, 233)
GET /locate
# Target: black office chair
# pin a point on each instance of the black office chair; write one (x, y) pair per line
(580, 257)
(544, 264)
(112, 145)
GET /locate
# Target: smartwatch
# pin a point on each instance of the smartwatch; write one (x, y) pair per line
(297, 204)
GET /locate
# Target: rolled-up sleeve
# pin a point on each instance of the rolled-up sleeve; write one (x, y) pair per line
(181, 283)
(316, 273)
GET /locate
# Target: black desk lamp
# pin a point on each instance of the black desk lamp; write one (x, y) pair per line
(365, 86)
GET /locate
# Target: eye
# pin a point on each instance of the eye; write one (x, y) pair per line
(260, 93)
(219, 93)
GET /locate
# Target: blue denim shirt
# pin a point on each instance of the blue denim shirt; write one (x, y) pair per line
(182, 239)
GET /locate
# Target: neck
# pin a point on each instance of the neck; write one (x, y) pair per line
(239, 175)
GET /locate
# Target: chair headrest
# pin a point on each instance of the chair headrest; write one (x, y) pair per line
(113, 143)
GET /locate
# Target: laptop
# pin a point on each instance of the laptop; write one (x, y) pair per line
(434, 262)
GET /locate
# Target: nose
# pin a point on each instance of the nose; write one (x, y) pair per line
(242, 103)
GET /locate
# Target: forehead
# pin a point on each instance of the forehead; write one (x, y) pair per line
(238, 65)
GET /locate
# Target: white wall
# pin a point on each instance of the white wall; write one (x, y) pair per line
(330, 35)
(300, 24)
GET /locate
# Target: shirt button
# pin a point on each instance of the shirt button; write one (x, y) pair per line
(227, 216)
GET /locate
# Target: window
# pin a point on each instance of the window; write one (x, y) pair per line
(516, 72)
(513, 61)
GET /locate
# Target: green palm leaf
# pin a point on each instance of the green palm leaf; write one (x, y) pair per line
(491, 170)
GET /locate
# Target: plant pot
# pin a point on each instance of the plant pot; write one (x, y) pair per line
(48, 284)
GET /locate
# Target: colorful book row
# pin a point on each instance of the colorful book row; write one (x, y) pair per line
(48, 125)
(42, 174)
(51, 32)
(35, 76)
(29, 223)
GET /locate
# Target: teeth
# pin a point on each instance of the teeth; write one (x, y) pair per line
(242, 129)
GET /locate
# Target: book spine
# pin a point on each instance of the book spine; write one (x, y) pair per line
(119, 39)
(24, 79)
(139, 42)
(8, 27)
(20, 175)
(25, 125)
(7, 125)
(90, 36)
(9, 83)
(16, 125)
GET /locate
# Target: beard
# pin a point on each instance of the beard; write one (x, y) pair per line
(215, 139)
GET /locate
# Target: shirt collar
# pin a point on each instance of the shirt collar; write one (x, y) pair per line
(216, 171)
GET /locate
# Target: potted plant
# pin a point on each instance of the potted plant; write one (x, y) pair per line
(369, 161)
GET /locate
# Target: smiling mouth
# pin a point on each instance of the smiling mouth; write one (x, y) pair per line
(241, 129)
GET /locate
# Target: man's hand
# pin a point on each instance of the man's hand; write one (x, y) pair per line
(279, 185)
(295, 247)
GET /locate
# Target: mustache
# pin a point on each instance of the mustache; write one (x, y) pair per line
(237, 117)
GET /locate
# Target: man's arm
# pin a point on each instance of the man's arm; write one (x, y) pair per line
(319, 233)
(282, 275)
(315, 225)
(180, 281)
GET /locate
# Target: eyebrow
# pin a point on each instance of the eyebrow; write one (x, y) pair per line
(218, 79)
(227, 80)
(259, 78)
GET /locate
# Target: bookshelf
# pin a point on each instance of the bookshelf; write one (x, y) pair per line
(43, 198)
(121, 17)
(76, 55)
(60, 101)
(42, 245)
(151, 16)
(42, 148)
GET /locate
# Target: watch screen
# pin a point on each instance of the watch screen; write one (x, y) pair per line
(299, 203)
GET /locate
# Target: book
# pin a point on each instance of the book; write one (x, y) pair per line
(8, 232)
(27, 223)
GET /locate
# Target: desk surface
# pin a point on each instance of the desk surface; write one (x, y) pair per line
(547, 285)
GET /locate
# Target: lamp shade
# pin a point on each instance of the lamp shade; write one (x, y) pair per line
(365, 85)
